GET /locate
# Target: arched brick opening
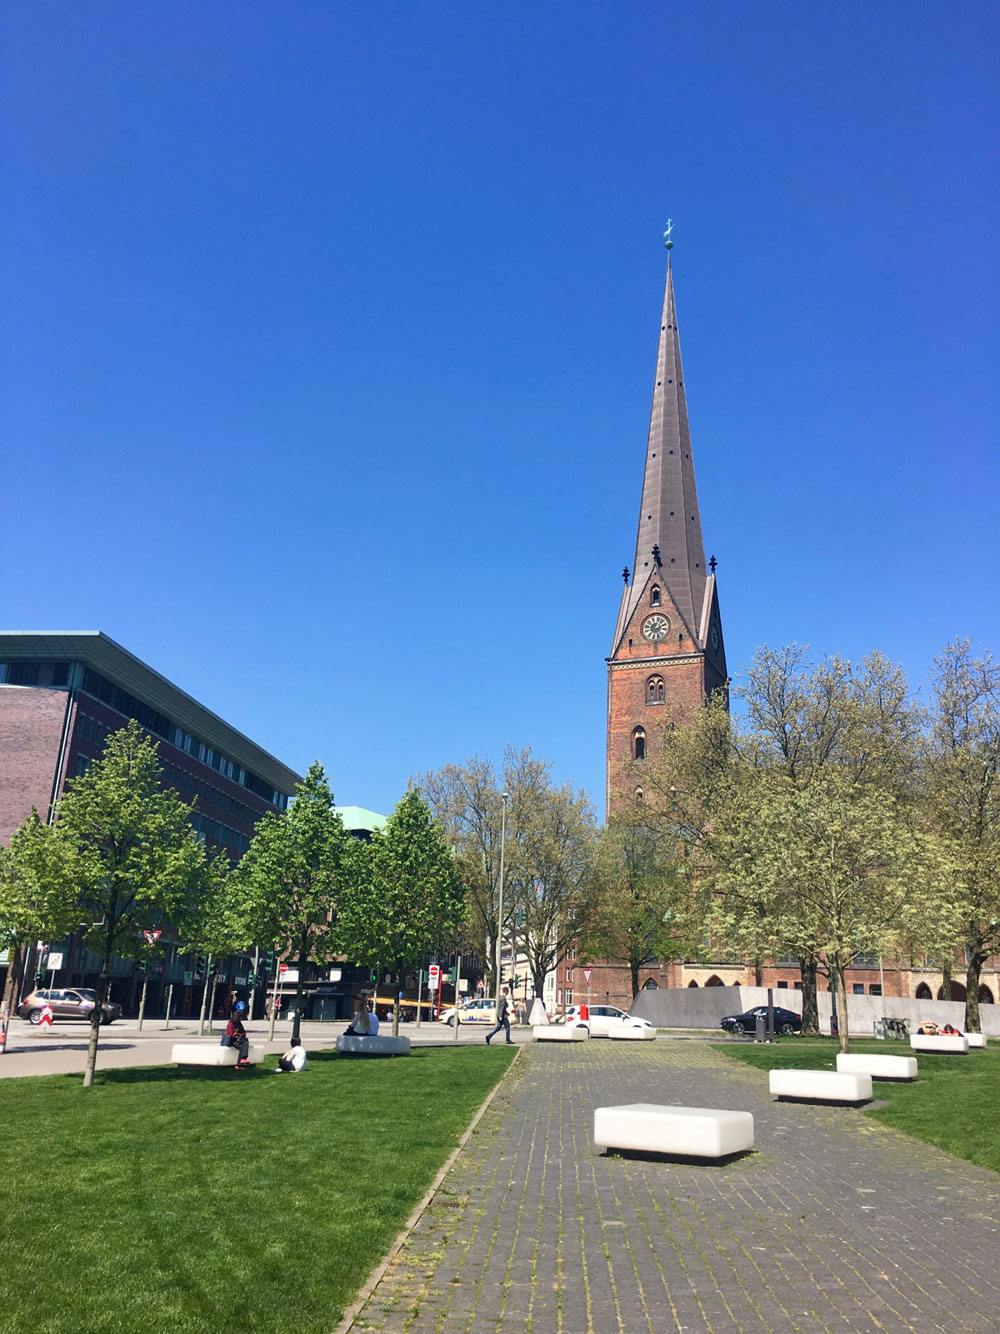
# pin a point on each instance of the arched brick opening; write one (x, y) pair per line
(923, 992)
(714, 981)
(985, 995)
(957, 992)
(692, 983)
(650, 984)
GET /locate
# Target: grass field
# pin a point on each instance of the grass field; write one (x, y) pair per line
(208, 1200)
(952, 1103)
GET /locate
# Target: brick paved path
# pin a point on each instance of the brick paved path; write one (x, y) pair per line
(835, 1223)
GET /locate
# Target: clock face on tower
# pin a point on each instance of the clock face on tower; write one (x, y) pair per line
(656, 627)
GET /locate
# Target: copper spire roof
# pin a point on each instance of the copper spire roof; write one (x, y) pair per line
(670, 519)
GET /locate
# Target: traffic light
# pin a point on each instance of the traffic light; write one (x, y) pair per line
(143, 966)
(199, 969)
(39, 976)
(251, 978)
(452, 972)
(270, 961)
(373, 975)
(213, 968)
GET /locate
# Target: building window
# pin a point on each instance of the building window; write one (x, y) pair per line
(639, 743)
(569, 974)
(568, 996)
(782, 986)
(638, 796)
(858, 988)
(875, 989)
(654, 690)
(654, 596)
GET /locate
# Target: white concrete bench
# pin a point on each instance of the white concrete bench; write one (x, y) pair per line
(631, 1033)
(211, 1054)
(560, 1032)
(956, 1043)
(879, 1067)
(697, 1132)
(387, 1045)
(820, 1085)
(975, 1039)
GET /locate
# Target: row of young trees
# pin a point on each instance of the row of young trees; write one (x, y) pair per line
(833, 816)
(121, 859)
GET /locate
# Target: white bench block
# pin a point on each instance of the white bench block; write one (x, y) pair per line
(699, 1132)
(976, 1039)
(822, 1085)
(351, 1045)
(631, 1033)
(211, 1054)
(941, 1042)
(560, 1033)
(879, 1067)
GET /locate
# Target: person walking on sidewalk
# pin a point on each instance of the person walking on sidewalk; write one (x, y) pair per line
(503, 1018)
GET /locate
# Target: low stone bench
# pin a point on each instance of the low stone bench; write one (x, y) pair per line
(820, 1086)
(696, 1132)
(975, 1039)
(955, 1043)
(879, 1067)
(352, 1045)
(212, 1054)
(631, 1033)
(560, 1032)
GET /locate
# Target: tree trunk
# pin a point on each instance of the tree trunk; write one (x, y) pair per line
(103, 987)
(976, 961)
(634, 970)
(204, 997)
(946, 978)
(810, 1000)
(211, 1002)
(395, 1001)
(758, 973)
(840, 992)
(15, 972)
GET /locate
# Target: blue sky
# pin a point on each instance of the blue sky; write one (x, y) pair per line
(328, 346)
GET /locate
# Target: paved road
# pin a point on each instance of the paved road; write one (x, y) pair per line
(835, 1223)
(63, 1051)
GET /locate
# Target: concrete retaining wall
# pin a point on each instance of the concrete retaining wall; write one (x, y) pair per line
(703, 1007)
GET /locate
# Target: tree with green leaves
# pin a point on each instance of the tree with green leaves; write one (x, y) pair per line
(828, 870)
(288, 887)
(37, 901)
(412, 901)
(134, 861)
(214, 928)
(641, 909)
(961, 798)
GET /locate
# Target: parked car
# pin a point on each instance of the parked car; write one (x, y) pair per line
(786, 1022)
(604, 1019)
(67, 1003)
(472, 1012)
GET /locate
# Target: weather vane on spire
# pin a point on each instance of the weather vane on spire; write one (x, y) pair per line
(666, 235)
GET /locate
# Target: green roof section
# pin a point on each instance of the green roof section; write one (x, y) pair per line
(356, 817)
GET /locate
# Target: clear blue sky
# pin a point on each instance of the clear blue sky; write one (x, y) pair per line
(328, 333)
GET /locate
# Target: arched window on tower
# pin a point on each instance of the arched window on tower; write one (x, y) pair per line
(654, 690)
(638, 796)
(639, 744)
(654, 596)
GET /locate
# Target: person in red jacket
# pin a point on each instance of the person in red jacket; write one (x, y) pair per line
(236, 1036)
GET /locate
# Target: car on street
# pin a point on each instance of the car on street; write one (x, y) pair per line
(786, 1022)
(605, 1019)
(67, 1003)
(472, 1012)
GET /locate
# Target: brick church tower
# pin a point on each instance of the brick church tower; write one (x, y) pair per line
(668, 653)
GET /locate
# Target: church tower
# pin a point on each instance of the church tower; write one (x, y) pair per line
(667, 656)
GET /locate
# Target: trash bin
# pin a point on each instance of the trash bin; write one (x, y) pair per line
(761, 1034)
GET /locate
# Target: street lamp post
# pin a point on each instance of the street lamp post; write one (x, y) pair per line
(504, 798)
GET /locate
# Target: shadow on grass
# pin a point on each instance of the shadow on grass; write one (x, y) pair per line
(171, 1074)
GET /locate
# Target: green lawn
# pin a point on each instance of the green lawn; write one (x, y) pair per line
(952, 1103)
(210, 1200)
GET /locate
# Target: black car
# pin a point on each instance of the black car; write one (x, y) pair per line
(786, 1022)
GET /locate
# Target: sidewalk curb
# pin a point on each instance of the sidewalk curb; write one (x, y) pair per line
(375, 1277)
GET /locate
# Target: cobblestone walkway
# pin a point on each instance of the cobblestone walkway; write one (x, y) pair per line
(835, 1223)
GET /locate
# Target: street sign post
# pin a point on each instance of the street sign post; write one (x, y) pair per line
(152, 936)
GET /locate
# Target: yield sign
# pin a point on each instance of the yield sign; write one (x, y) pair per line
(586, 975)
(152, 936)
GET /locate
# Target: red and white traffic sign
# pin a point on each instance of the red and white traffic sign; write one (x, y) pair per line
(282, 967)
(152, 936)
(586, 975)
(434, 976)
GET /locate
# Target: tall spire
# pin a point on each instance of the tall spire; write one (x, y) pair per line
(669, 521)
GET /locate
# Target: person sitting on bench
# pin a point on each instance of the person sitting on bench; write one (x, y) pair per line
(294, 1058)
(361, 1025)
(236, 1036)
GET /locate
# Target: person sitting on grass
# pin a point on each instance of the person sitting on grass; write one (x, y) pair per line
(236, 1036)
(294, 1058)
